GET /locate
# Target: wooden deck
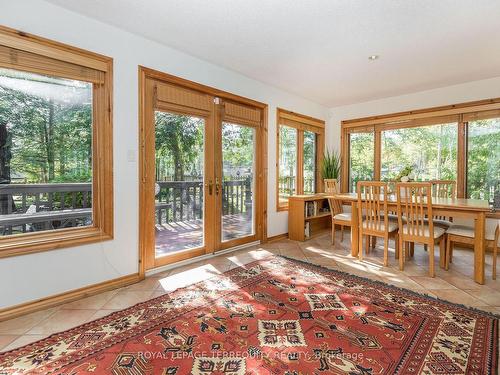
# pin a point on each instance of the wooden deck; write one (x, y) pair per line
(183, 235)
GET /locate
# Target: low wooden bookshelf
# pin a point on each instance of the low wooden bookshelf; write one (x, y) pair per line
(307, 216)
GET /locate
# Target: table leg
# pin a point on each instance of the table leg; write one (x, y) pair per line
(354, 230)
(479, 247)
(442, 252)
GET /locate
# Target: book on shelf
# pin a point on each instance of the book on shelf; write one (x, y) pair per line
(309, 208)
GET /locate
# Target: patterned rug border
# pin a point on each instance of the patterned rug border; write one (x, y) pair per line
(390, 286)
(226, 273)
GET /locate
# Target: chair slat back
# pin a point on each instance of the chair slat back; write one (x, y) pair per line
(332, 187)
(414, 202)
(391, 186)
(372, 205)
(391, 190)
(444, 188)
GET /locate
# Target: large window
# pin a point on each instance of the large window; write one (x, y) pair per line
(361, 157)
(483, 160)
(55, 145)
(429, 152)
(459, 142)
(287, 163)
(46, 169)
(309, 154)
(300, 147)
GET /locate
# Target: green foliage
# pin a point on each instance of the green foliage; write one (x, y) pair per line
(179, 146)
(84, 176)
(362, 158)
(331, 165)
(309, 161)
(49, 124)
(430, 152)
(287, 160)
(288, 151)
(238, 151)
(483, 172)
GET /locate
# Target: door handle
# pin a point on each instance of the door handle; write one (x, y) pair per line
(210, 186)
(217, 186)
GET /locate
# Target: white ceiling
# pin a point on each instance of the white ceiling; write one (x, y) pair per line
(319, 49)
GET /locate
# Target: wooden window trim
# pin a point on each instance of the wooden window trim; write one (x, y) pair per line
(64, 58)
(459, 113)
(301, 123)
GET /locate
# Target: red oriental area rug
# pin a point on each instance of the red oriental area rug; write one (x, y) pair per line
(274, 316)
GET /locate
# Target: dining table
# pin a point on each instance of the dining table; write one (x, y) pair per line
(475, 209)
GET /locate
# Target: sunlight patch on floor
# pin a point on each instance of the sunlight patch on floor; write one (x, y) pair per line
(188, 277)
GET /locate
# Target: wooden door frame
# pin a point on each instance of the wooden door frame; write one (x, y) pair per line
(145, 219)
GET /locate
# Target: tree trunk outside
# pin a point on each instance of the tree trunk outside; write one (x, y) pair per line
(439, 151)
(50, 141)
(62, 157)
(5, 157)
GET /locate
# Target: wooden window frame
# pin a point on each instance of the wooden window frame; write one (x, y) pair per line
(459, 113)
(31, 53)
(301, 123)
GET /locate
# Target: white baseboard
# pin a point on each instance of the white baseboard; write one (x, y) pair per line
(197, 259)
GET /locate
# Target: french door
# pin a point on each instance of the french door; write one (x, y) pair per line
(201, 171)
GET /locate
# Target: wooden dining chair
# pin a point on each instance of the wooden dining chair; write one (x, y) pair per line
(373, 216)
(464, 234)
(443, 189)
(339, 217)
(414, 203)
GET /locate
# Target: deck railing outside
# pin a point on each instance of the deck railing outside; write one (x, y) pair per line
(183, 200)
(286, 185)
(34, 207)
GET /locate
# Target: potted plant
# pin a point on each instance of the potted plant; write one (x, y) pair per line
(331, 165)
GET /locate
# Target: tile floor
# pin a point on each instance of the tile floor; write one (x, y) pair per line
(455, 285)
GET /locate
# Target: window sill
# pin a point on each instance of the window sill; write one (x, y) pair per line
(50, 240)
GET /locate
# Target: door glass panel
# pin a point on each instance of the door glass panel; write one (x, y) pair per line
(179, 169)
(238, 181)
(287, 163)
(309, 162)
(362, 158)
(483, 160)
(425, 152)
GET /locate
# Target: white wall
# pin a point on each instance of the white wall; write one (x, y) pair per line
(29, 277)
(466, 92)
